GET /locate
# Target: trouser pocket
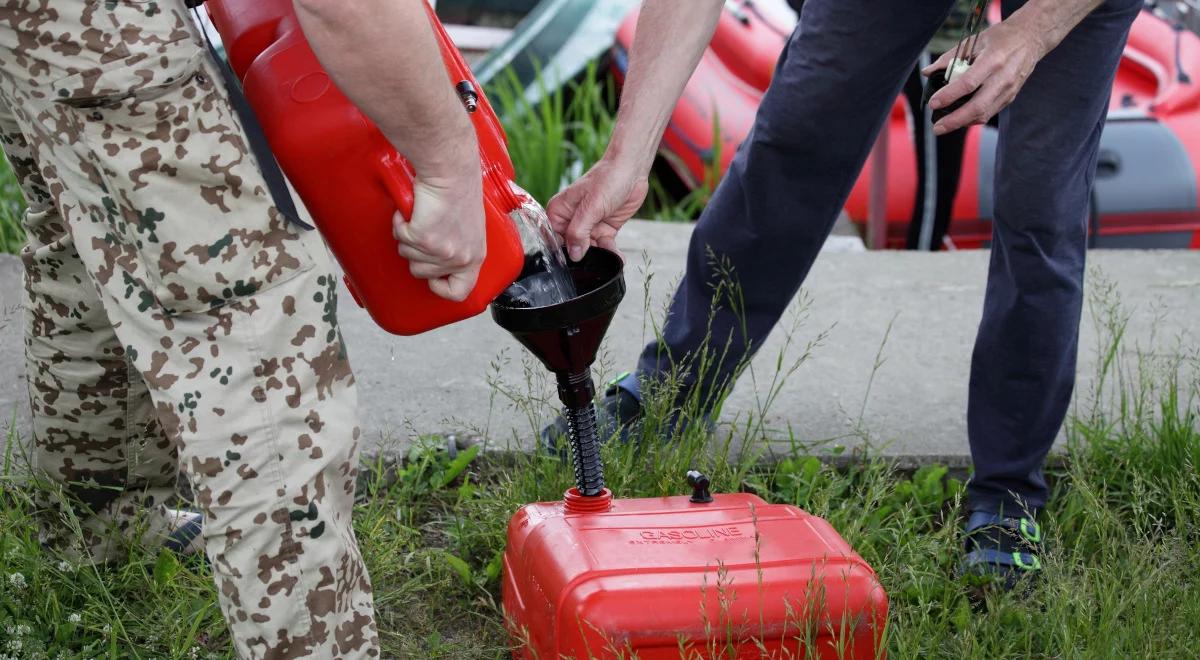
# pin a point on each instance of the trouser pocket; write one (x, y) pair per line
(176, 207)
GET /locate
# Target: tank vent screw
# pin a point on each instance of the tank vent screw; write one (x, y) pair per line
(699, 484)
(466, 92)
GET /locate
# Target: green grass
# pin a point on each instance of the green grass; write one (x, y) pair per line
(12, 206)
(559, 138)
(1120, 572)
(554, 142)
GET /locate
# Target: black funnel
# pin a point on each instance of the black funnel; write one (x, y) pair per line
(565, 337)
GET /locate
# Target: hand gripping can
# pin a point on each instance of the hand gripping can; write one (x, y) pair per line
(351, 179)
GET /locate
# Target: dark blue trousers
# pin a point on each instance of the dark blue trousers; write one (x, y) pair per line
(835, 82)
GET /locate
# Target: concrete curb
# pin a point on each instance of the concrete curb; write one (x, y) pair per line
(454, 378)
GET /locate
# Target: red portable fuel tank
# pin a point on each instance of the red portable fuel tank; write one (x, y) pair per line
(350, 177)
(671, 577)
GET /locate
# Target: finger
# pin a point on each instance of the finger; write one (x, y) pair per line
(413, 254)
(977, 111)
(476, 262)
(403, 231)
(429, 271)
(441, 288)
(398, 221)
(609, 243)
(961, 86)
(413, 235)
(939, 64)
(455, 287)
(437, 249)
(560, 209)
(579, 232)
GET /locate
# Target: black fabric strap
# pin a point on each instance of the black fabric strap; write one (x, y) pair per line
(272, 175)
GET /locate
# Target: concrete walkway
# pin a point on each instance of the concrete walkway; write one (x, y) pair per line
(457, 378)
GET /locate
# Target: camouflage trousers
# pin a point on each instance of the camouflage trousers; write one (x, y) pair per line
(176, 321)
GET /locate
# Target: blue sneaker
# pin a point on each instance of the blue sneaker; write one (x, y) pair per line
(1001, 550)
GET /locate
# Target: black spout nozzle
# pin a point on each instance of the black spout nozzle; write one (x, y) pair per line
(700, 484)
(565, 337)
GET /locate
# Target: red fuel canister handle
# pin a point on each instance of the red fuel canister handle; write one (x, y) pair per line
(398, 179)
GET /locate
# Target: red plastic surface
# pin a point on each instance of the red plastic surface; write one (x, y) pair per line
(654, 576)
(350, 177)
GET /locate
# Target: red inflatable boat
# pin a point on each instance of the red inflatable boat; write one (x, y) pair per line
(1146, 184)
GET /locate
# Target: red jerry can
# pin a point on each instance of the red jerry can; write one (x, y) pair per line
(350, 177)
(671, 577)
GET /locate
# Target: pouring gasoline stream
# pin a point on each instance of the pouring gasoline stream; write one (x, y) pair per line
(546, 279)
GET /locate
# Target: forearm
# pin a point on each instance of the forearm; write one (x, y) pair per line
(383, 56)
(1049, 21)
(670, 38)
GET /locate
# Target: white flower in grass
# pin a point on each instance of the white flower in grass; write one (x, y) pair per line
(16, 580)
(74, 617)
(14, 645)
(65, 566)
(106, 629)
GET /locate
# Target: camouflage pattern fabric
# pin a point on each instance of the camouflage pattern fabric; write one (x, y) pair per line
(175, 321)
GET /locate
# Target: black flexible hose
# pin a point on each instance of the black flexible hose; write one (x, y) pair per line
(585, 449)
(576, 392)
